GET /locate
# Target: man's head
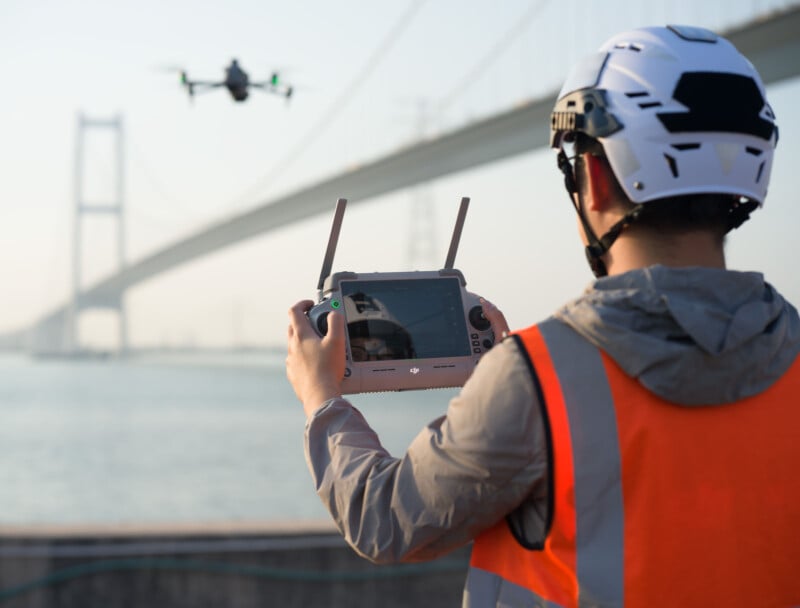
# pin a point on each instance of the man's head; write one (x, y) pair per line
(680, 119)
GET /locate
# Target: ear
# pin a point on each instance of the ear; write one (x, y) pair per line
(599, 186)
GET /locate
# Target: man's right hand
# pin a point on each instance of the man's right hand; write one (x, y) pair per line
(496, 318)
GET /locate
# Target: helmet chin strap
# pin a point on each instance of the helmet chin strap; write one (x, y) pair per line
(597, 247)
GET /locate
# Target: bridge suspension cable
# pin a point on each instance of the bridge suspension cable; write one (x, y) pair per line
(337, 106)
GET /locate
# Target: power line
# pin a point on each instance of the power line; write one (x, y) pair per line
(339, 104)
(494, 53)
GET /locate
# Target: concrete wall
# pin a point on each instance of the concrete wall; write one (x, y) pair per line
(201, 566)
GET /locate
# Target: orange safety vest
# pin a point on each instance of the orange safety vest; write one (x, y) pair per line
(653, 504)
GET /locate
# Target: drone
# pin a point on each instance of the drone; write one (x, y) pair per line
(238, 83)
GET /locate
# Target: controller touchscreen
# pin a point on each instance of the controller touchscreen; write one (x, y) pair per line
(405, 319)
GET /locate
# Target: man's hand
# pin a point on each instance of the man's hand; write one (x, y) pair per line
(496, 318)
(314, 365)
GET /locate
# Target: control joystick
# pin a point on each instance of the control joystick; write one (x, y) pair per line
(478, 320)
(322, 323)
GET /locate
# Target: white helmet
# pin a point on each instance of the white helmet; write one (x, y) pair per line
(678, 110)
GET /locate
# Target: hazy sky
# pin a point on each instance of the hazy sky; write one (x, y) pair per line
(367, 74)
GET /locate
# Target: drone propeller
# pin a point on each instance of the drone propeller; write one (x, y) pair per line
(276, 85)
(183, 77)
(188, 84)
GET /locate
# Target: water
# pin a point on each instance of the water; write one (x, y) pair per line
(147, 440)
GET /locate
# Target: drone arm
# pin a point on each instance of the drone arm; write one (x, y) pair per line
(204, 84)
(269, 85)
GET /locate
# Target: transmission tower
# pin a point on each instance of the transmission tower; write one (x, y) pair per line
(115, 209)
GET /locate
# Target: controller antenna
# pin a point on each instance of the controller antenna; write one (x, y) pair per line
(462, 215)
(333, 240)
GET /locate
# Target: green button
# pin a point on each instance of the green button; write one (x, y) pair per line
(335, 304)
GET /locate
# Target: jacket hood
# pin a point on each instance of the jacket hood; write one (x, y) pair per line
(693, 336)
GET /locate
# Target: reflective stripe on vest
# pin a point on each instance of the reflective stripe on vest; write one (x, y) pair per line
(655, 504)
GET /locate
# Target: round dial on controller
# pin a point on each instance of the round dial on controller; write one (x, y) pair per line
(477, 319)
(322, 323)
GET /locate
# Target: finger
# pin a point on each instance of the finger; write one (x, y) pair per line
(297, 315)
(300, 308)
(496, 318)
(335, 327)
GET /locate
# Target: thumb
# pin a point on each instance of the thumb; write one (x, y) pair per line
(496, 318)
(336, 328)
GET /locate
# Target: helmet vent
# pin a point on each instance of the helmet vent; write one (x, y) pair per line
(673, 165)
(682, 147)
(760, 171)
(628, 46)
(643, 104)
(753, 151)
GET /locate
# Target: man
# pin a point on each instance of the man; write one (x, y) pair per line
(639, 447)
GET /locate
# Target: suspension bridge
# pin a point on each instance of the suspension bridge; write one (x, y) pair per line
(772, 42)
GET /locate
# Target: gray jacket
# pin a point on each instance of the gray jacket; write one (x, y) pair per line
(693, 336)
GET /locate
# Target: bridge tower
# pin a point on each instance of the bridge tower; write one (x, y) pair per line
(115, 209)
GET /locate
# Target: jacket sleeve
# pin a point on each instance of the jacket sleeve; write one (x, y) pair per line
(460, 474)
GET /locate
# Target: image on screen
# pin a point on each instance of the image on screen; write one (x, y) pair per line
(405, 319)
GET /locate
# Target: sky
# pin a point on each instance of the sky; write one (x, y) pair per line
(370, 77)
